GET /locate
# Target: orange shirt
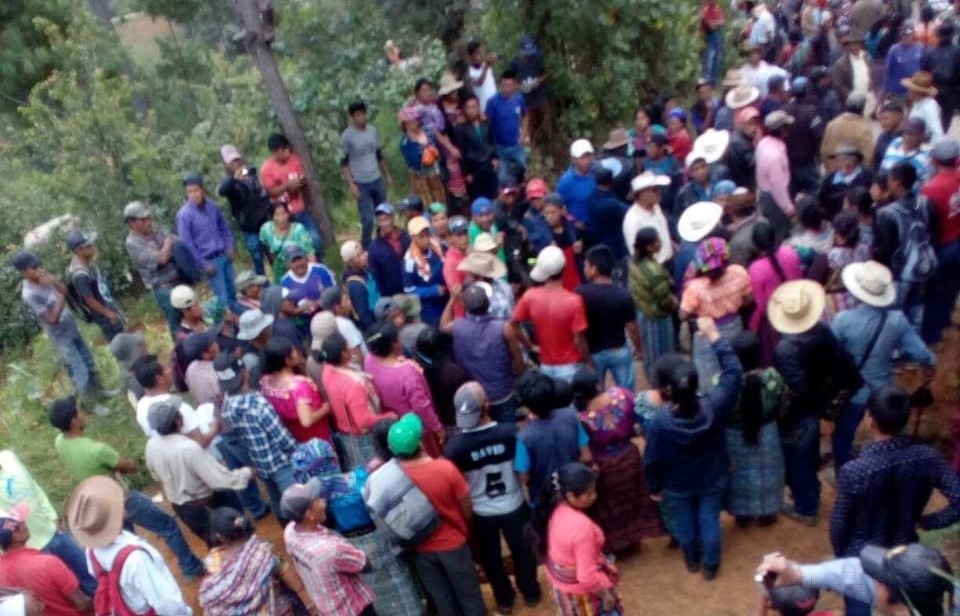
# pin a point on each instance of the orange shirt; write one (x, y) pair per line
(273, 174)
(717, 299)
(444, 486)
(557, 314)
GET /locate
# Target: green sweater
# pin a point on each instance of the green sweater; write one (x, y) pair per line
(650, 288)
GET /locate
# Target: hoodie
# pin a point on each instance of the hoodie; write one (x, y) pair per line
(688, 455)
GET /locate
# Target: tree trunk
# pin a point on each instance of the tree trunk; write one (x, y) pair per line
(140, 102)
(249, 15)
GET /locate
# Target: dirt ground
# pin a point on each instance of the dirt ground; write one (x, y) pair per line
(654, 581)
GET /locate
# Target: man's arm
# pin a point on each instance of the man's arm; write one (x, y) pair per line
(843, 518)
(384, 167)
(844, 576)
(948, 483)
(446, 319)
(84, 287)
(80, 601)
(580, 341)
(513, 343)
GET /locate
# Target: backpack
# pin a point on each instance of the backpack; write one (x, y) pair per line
(915, 258)
(108, 600)
(400, 507)
(74, 299)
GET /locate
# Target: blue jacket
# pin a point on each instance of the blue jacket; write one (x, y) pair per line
(431, 302)
(386, 265)
(902, 62)
(576, 191)
(606, 213)
(356, 283)
(689, 455)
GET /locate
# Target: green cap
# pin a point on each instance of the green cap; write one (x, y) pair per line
(438, 208)
(404, 436)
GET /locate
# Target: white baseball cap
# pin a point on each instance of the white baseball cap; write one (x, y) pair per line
(229, 153)
(550, 262)
(350, 250)
(580, 147)
(182, 297)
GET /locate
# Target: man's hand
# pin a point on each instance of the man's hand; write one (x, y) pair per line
(167, 242)
(656, 497)
(231, 254)
(442, 290)
(638, 354)
(354, 190)
(113, 317)
(239, 173)
(491, 58)
(787, 572)
(500, 237)
(455, 292)
(496, 164)
(468, 178)
(441, 436)
(708, 328)
(211, 269)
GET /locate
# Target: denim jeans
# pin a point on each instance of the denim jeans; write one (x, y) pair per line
(505, 411)
(845, 430)
(142, 511)
(305, 219)
(108, 328)
(371, 195)
(852, 607)
(801, 457)
(66, 549)
(255, 248)
(564, 372)
(80, 363)
(162, 295)
(941, 293)
(222, 282)
(910, 301)
(619, 362)
(279, 481)
(234, 457)
(487, 531)
(696, 516)
(712, 58)
(197, 517)
(511, 155)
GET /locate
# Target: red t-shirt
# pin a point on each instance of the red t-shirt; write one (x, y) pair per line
(557, 314)
(46, 576)
(710, 14)
(943, 190)
(273, 174)
(444, 486)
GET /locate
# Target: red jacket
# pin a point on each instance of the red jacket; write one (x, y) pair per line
(943, 191)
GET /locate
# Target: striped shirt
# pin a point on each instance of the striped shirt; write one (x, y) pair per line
(919, 158)
(329, 567)
(844, 576)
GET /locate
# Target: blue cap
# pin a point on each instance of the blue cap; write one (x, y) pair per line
(25, 260)
(724, 188)
(799, 85)
(481, 206)
(193, 180)
(384, 208)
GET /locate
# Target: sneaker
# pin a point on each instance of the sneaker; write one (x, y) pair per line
(99, 410)
(806, 520)
(710, 572)
(693, 564)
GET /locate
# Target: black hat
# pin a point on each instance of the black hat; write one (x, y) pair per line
(603, 176)
(914, 573)
(25, 260)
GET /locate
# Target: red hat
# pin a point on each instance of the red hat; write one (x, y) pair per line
(536, 189)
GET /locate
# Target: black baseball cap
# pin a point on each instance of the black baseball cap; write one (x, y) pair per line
(914, 573)
(25, 260)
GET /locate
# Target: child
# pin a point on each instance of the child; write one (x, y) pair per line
(816, 237)
(826, 268)
(859, 201)
(650, 287)
(583, 579)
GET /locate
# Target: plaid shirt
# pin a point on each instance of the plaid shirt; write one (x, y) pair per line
(268, 443)
(330, 569)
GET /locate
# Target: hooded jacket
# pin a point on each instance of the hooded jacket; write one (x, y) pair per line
(688, 455)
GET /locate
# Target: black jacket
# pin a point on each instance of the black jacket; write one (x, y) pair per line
(806, 133)
(249, 202)
(944, 62)
(831, 194)
(740, 161)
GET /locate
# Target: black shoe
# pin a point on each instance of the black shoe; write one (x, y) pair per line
(693, 564)
(710, 572)
(766, 520)
(533, 602)
(744, 522)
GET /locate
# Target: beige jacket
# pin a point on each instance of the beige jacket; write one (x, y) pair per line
(847, 128)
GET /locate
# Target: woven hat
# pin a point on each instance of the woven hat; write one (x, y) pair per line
(698, 220)
(648, 179)
(448, 84)
(483, 265)
(741, 96)
(484, 242)
(732, 79)
(712, 144)
(95, 511)
(796, 306)
(248, 279)
(922, 82)
(617, 139)
(871, 283)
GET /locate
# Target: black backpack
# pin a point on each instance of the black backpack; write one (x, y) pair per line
(74, 299)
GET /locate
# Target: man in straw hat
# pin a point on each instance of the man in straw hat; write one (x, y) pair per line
(486, 268)
(646, 212)
(921, 94)
(808, 358)
(851, 73)
(849, 172)
(900, 581)
(613, 157)
(723, 118)
(848, 127)
(95, 515)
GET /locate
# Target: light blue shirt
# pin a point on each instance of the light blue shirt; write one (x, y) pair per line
(844, 576)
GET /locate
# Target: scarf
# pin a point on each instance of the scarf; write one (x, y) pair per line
(420, 258)
(243, 585)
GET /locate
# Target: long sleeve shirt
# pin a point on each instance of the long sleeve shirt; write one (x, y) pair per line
(928, 110)
(882, 494)
(187, 472)
(575, 548)
(844, 576)
(773, 172)
(204, 230)
(902, 62)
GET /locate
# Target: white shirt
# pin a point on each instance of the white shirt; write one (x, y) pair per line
(637, 218)
(861, 73)
(352, 335)
(928, 110)
(143, 413)
(764, 29)
(145, 581)
(759, 75)
(486, 90)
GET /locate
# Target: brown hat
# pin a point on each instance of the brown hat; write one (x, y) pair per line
(95, 511)
(617, 139)
(922, 82)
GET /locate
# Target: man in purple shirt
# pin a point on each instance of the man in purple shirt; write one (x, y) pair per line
(202, 227)
(903, 60)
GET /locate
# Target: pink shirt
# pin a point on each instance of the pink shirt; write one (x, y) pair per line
(764, 280)
(716, 298)
(773, 171)
(576, 543)
(330, 568)
(453, 278)
(403, 389)
(353, 411)
(284, 399)
(274, 174)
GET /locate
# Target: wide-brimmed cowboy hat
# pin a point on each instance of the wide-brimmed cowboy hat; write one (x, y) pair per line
(648, 179)
(95, 511)
(448, 84)
(484, 242)
(732, 79)
(922, 82)
(483, 265)
(712, 144)
(871, 283)
(698, 220)
(796, 306)
(617, 139)
(741, 96)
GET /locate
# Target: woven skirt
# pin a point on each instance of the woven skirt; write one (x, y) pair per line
(390, 578)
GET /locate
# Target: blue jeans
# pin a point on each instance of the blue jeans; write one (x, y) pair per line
(619, 362)
(80, 363)
(66, 549)
(910, 301)
(511, 155)
(142, 511)
(305, 219)
(162, 295)
(801, 457)
(504, 411)
(845, 430)
(371, 195)
(255, 248)
(712, 58)
(696, 516)
(222, 282)
(852, 607)
(563, 372)
(941, 293)
(235, 456)
(277, 482)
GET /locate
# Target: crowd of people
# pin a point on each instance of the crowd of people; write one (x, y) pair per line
(761, 260)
